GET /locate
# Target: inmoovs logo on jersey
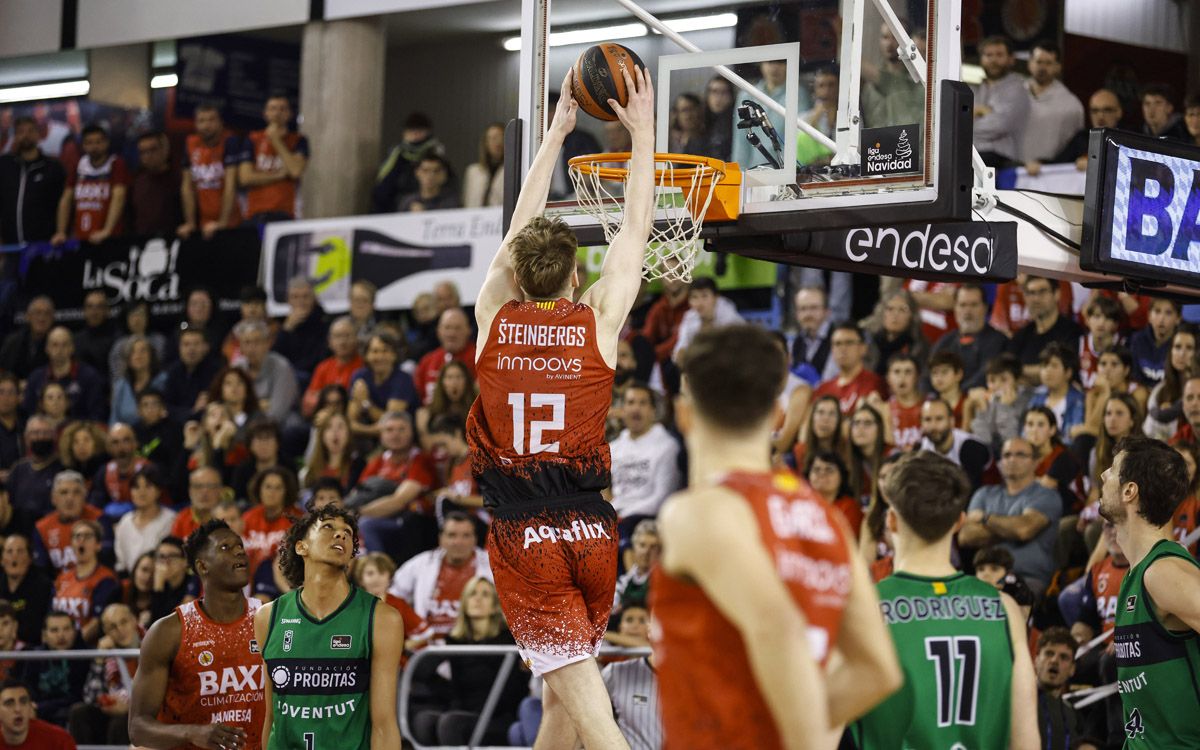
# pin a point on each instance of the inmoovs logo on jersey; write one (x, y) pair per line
(892, 150)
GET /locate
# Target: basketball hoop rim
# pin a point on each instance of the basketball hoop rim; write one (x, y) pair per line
(711, 170)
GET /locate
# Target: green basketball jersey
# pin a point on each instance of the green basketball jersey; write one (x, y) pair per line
(955, 651)
(1158, 672)
(320, 672)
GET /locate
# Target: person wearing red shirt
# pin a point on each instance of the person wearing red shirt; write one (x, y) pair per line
(664, 317)
(853, 381)
(209, 187)
(86, 588)
(399, 523)
(54, 529)
(827, 475)
(273, 495)
(204, 490)
(446, 436)
(454, 335)
(271, 163)
(936, 300)
(337, 369)
(19, 730)
(96, 190)
(902, 412)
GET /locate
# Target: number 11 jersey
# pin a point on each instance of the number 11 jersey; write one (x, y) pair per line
(955, 649)
(537, 429)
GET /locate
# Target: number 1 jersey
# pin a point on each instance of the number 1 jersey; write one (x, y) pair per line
(537, 429)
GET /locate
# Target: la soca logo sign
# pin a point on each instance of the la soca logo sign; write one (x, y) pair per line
(148, 274)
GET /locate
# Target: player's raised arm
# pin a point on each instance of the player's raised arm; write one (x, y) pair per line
(744, 585)
(613, 295)
(387, 644)
(1024, 733)
(499, 285)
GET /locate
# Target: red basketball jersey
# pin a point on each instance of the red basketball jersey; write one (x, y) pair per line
(83, 598)
(537, 429)
(263, 536)
(707, 691)
(92, 187)
(279, 196)
(906, 424)
(56, 535)
(207, 165)
(217, 674)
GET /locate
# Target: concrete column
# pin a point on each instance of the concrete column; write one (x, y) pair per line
(341, 103)
(120, 75)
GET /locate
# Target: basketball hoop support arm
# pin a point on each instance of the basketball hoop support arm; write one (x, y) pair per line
(725, 72)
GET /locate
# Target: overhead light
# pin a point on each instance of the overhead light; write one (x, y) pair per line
(702, 23)
(44, 91)
(164, 81)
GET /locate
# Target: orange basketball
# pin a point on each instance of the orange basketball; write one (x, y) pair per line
(597, 78)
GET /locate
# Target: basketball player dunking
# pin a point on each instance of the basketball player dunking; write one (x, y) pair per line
(199, 682)
(545, 368)
(759, 585)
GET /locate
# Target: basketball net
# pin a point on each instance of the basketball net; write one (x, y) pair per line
(683, 192)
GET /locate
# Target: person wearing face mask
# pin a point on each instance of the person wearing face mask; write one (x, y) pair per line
(30, 479)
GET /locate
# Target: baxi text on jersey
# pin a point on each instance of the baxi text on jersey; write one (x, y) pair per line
(540, 335)
(231, 680)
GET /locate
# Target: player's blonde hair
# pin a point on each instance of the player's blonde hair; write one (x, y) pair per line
(543, 256)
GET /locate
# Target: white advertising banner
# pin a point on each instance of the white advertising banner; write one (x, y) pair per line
(1063, 179)
(401, 254)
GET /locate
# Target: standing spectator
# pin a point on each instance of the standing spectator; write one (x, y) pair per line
(483, 182)
(958, 446)
(95, 340)
(1020, 515)
(823, 117)
(84, 589)
(11, 425)
(140, 530)
(273, 378)
(456, 342)
(434, 191)
(270, 164)
(31, 185)
(112, 483)
(1060, 726)
(1055, 114)
(645, 465)
(301, 338)
(811, 345)
(1150, 345)
(889, 94)
(974, 340)
(848, 349)
(686, 132)
(96, 191)
(633, 689)
(83, 384)
(273, 497)
(54, 543)
(707, 309)
(1158, 112)
(26, 587)
(188, 378)
(1047, 324)
(30, 479)
(1001, 104)
(24, 350)
(664, 316)
(1104, 111)
(209, 187)
(155, 205)
(397, 173)
(718, 118)
(56, 684)
(895, 328)
(336, 369)
(103, 715)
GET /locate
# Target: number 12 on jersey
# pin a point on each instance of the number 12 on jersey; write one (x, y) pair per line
(537, 428)
(957, 690)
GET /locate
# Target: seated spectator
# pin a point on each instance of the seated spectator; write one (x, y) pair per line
(945, 381)
(170, 578)
(189, 378)
(644, 550)
(362, 312)
(199, 312)
(1160, 120)
(993, 564)
(381, 386)
(633, 689)
(1185, 520)
(867, 448)
(1164, 406)
(1057, 468)
(204, 492)
(19, 725)
(301, 338)
(479, 622)
(901, 413)
(1102, 316)
(263, 441)
(664, 316)
(140, 371)
(269, 582)
(103, 715)
(453, 393)
(447, 439)
(373, 573)
(995, 413)
(1019, 514)
(1054, 666)
(273, 382)
(435, 189)
(455, 343)
(935, 304)
(54, 547)
(823, 432)
(233, 389)
(959, 446)
(159, 437)
(139, 531)
(1152, 344)
(421, 331)
(83, 384)
(433, 582)
(827, 474)
(86, 587)
(1114, 374)
(26, 587)
(645, 461)
(213, 441)
(333, 454)
(707, 308)
(1057, 390)
(56, 684)
(895, 328)
(397, 174)
(854, 381)
(252, 305)
(974, 340)
(95, 340)
(1042, 297)
(228, 511)
(30, 479)
(53, 404)
(1101, 593)
(136, 318)
(8, 639)
(633, 628)
(11, 424)
(138, 589)
(111, 482)
(339, 367)
(327, 491)
(273, 509)
(24, 350)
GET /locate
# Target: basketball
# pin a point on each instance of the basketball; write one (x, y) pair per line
(597, 78)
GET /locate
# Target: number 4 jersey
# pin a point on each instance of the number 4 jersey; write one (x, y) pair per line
(952, 638)
(537, 429)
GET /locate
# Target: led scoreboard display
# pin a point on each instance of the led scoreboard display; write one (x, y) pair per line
(1141, 215)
